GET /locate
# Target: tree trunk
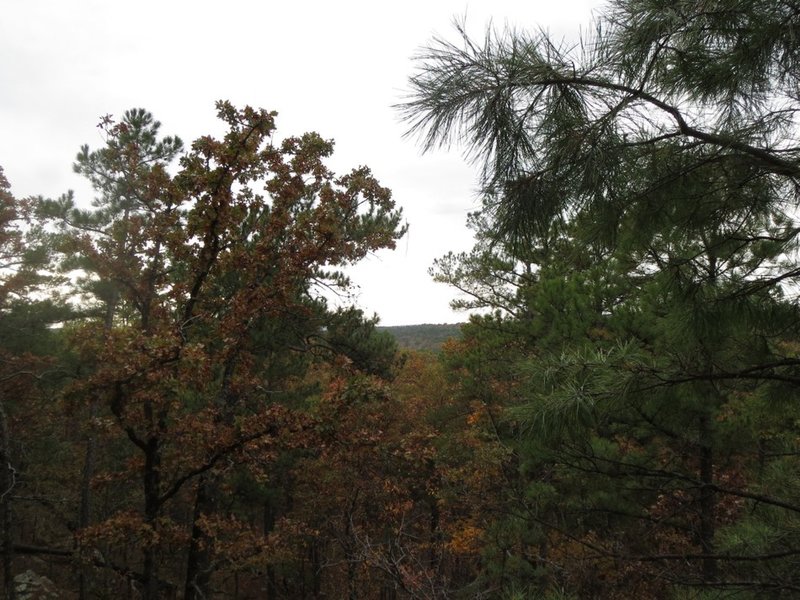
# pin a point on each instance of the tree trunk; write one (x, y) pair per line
(707, 500)
(706, 440)
(198, 564)
(198, 567)
(433, 556)
(7, 481)
(85, 512)
(152, 504)
(84, 518)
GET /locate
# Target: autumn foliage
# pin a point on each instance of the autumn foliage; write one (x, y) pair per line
(190, 408)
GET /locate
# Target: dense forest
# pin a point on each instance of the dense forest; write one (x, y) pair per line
(185, 414)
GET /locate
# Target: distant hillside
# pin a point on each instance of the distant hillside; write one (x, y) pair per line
(423, 337)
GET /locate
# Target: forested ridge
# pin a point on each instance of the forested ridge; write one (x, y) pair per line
(185, 414)
(427, 336)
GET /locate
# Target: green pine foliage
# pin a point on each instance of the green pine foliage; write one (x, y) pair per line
(639, 209)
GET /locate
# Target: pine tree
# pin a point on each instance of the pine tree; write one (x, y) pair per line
(657, 162)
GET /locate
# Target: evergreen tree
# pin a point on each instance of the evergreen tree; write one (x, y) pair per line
(651, 172)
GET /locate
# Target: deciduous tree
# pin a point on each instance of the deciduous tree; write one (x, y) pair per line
(192, 269)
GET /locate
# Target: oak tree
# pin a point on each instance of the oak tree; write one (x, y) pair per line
(189, 269)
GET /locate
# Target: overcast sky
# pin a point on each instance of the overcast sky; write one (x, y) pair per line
(335, 67)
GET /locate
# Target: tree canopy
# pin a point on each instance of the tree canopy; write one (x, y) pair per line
(638, 239)
(185, 414)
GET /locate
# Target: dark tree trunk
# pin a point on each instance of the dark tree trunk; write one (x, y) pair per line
(84, 518)
(152, 504)
(198, 568)
(433, 557)
(352, 593)
(707, 501)
(85, 511)
(6, 486)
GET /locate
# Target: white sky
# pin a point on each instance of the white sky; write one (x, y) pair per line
(335, 67)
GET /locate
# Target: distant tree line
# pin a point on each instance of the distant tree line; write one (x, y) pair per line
(429, 337)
